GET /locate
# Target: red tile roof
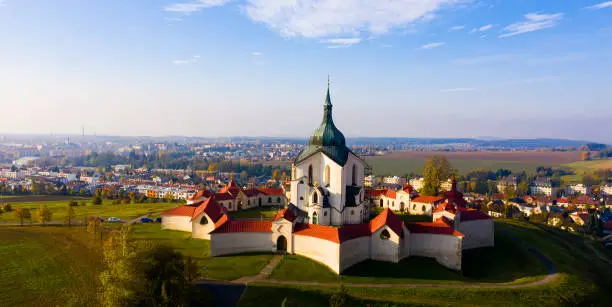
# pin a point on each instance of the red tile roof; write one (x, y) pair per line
(472, 215)
(272, 191)
(317, 231)
(446, 207)
(438, 228)
(408, 188)
(349, 232)
(377, 192)
(386, 217)
(563, 200)
(390, 193)
(202, 193)
(244, 226)
(286, 214)
(427, 199)
(186, 210)
(224, 196)
(250, 192)
(211, 208)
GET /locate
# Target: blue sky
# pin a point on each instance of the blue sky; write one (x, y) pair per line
(412, 68)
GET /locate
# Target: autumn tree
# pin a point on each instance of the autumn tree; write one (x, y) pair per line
(585, 155)
(523, 188)
(509, 193)
(43, 215)
(211, 167)
(22, 214)
(70, 214)
(437, 170)
(276, 174)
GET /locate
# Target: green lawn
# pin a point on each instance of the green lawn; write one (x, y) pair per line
(584, 280)
(48, 266)
(224, 268)
(507, 262)
(59, 210)
(262, 212)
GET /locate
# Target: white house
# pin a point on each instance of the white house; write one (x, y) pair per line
(580, 188)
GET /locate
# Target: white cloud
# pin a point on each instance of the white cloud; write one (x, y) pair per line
(431, 46)
(256, 53)
(485, 59)
(534, 22)
(600, 5)
(458, 89)
(456, 28)
(193, 59)
(324, 18)
(194, 6)
(341, 42)
(484, 28)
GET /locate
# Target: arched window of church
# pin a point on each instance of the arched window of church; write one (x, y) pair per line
(278, 200)
(413, 207)
(327, 175)
(354, 174)
(315, 198)
(423, 208)
(385, 235)
(315, 219)
(310, 174)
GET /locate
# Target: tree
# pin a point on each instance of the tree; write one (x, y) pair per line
(43, 215)
(22, 214)
(244, 176)
(70, 214)
(523, 188)
(97, 199)
(276, 174)
(509, 193)
(437, 170)
(585, 155)
(211, 167)
(7, 208)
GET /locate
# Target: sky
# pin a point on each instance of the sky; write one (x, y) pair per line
(403, 68)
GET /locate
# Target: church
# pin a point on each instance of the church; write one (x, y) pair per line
(328, 217)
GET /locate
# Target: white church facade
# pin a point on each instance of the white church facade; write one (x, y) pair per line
(328, 219)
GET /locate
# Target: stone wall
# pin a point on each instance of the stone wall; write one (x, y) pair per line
(323, 251)
(240, 242)
(176, 222)
(385, 250)
(446, 249)
(354, 251)
(199, 231)
(478, 233)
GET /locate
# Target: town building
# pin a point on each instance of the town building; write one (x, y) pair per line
(507, 182)
(542, 187)
(394, 180)
(574, 189)
(330, 222)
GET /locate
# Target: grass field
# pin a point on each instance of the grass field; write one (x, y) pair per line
(223, 268)
(507, 262)
(47, 266)
(59, 209)
(584, 280)
(403, 162)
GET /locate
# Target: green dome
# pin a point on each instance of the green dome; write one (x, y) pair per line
(327, 139)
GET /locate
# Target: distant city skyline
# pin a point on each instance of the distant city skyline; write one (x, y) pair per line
(218, 68)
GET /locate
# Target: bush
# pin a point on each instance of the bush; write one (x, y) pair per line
(73, 203)
(7, 208)
(96, 200)
(339, 298)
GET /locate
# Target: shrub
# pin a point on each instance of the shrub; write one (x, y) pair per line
(339, 298)
(73, 203)
(7, 208)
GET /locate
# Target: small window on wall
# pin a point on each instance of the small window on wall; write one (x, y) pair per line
(352, 212)
(269, 200)
(385, 235)
(315, 198)
(301, 198)
(413, 207)
(203, 221)
(423, 208)
(278, 200)
(325, 213)
(327, 174)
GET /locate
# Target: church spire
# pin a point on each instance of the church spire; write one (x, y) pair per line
(327, 107)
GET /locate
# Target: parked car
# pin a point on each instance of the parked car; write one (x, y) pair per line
(113, 220)
(158, 220)
(146, 220)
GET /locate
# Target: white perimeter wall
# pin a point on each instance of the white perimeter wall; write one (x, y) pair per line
(323, 251)
(478, 233)
(240, 242)
(385, 250)
(176, 222)
(354, 251)
(446, 249)
(202, 231)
